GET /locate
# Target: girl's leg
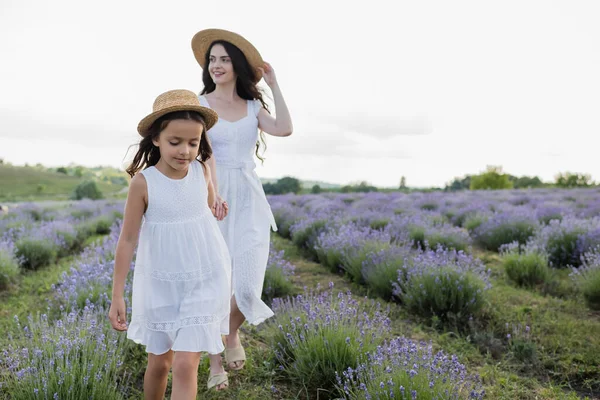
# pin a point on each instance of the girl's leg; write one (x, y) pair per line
(185, 375)
(216, 367)
(236, 319)
(155, 378)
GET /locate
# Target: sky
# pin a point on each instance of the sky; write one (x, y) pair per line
(429, 90)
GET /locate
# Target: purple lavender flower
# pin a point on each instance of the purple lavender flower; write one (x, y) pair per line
(408, 366)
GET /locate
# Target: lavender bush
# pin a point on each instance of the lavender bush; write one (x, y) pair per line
(526, 267)
(587, 278)
(505, 227)
(520, 343)
(565, 241)
(448, 285)
(380, 269)
(91, 280)
(348, 246)
(404, 369)
(76, 357)
(9, 265)
(317, 335)
(277, 276)
(305, 232)
(36, 253)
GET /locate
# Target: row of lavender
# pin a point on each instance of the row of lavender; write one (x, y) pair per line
(32, 236)
(70, 352)
(416, 248)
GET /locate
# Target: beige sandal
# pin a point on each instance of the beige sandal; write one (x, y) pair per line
(235, 355)
(217, 380)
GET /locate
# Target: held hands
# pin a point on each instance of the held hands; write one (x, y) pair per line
(220, 209)
(268, 74)
(118, 314)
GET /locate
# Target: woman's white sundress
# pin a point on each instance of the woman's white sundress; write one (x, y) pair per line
(246, 228)
(182, 276)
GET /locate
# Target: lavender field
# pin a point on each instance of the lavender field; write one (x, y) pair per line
(377, 296)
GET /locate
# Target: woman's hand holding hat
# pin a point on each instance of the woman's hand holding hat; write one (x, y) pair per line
(268, 74)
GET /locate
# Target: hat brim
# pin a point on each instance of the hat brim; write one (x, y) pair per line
(202, 41)
(210, 117)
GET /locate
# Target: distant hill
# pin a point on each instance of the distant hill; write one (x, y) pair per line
(306, 184)
(34, 183)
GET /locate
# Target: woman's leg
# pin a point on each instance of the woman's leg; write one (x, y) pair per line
(155, 378)
(185, 375)
(232, 341)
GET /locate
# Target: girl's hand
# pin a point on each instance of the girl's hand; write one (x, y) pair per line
(118, 314)
(268, 74)
(220, 209)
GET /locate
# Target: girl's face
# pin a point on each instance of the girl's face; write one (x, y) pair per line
(179, 142)
(220, 66)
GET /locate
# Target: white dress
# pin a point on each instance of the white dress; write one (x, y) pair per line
(182, 276)
(246, 228)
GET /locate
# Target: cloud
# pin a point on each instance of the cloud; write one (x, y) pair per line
(319, 139)
(19, 125)
(380, 126)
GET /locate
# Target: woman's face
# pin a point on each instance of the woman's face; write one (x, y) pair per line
(220, 66)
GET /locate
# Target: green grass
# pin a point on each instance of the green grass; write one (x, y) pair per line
(34, 184)
(29, 294)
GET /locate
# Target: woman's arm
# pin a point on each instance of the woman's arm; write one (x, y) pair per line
(281, 125)
(135, 207)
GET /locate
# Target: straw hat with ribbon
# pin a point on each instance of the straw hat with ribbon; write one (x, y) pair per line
(202, 41)
(176, 100)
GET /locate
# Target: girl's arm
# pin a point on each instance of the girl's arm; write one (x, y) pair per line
(211, 164)
(209, 183)
(282, 124)
(217, 205)
(135, 206)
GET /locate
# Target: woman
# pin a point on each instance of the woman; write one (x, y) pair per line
(231, 69)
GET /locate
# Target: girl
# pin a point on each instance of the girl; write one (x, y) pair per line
(181, 283)
(231, 68)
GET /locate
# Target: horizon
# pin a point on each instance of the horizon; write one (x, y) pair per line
(316, 180)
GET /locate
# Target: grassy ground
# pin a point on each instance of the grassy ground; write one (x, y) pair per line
(32, 184)
(566, 336)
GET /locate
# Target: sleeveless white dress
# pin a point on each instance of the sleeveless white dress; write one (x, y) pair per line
(182, 275)
(246, 228)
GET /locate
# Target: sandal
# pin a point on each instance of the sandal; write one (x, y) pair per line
(235, 355)
(217, 380)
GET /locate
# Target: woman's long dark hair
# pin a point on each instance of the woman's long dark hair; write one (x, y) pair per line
(148, 154)
(245, 86)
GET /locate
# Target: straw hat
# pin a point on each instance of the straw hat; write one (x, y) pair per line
(202, 41)
(177, 100)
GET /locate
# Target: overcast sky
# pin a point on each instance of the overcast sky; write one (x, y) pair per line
(377, 89)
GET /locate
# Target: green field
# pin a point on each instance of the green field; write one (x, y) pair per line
(19, 184)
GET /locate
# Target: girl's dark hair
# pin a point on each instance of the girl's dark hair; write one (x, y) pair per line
(245, 86)
(148, 154)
